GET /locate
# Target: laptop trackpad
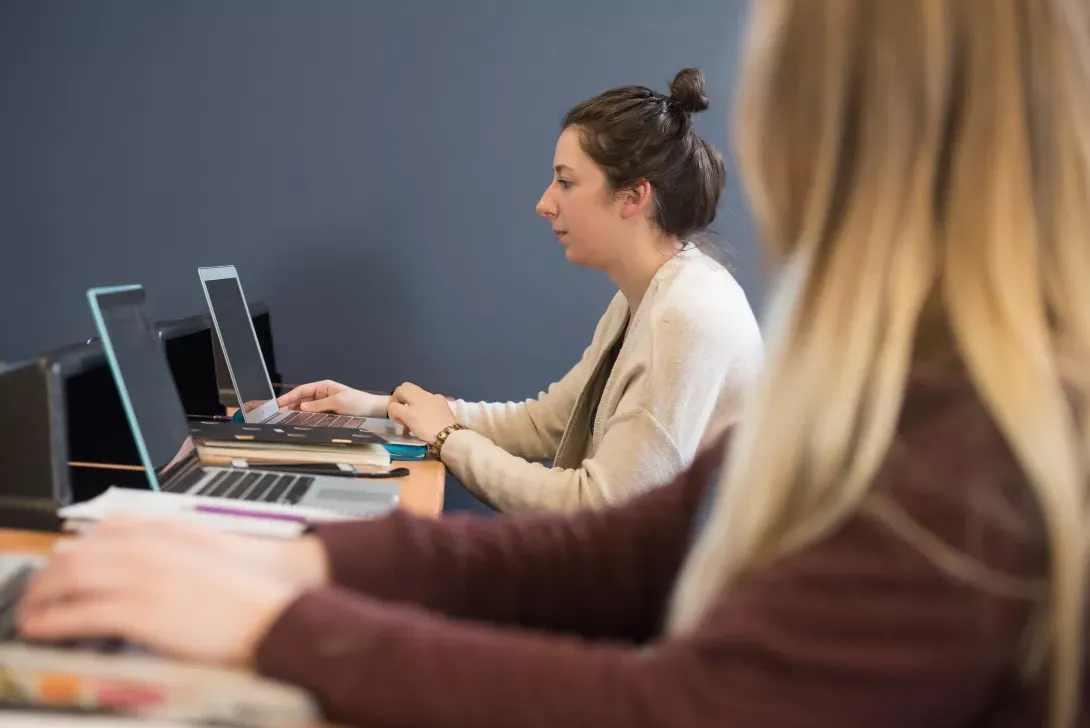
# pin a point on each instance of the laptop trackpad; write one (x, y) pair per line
(346, 495)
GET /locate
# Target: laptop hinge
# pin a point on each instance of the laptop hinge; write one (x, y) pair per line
(191, 463)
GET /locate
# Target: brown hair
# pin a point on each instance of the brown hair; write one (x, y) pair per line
(636, 134)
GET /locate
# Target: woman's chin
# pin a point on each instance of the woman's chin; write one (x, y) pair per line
(572, 255)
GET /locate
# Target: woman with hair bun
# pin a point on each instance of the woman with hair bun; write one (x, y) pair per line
(673, 356)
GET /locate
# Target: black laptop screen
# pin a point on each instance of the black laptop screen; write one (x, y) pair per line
(239, 342)
(143, 376)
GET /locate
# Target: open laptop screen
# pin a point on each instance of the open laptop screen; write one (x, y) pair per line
(143, 378)
(240, 347)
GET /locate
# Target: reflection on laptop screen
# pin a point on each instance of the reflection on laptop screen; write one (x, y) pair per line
(142, 374)
(240, 346)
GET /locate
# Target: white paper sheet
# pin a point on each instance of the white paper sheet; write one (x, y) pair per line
(258, 522)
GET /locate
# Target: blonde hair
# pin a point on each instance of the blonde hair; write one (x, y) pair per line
(914, 166)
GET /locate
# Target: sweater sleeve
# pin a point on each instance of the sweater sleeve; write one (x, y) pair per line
(859, 629)
(531, 428)
(636, 453)
(562, 573)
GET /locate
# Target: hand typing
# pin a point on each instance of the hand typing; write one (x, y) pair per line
(424, 413)
(174, 588)
(328, 396)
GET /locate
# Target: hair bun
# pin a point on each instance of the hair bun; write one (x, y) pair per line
(687, 89)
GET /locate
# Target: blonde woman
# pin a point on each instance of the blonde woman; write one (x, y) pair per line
(896, 535)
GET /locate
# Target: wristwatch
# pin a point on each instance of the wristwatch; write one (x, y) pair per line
(436, 448)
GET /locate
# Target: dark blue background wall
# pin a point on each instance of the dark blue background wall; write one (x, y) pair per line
(371, 167)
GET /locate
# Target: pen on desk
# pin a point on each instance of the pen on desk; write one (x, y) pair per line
(298, 468)
(227, 511)
(335, 470)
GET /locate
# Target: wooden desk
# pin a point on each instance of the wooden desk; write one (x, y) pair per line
(27, 542)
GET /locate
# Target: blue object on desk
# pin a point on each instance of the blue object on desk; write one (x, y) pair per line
(405, 452)
(237, 416)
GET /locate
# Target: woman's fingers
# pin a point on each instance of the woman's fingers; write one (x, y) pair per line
(399, 413)
(309, 392)
(113, 615)
(408, 393)
(89, 571)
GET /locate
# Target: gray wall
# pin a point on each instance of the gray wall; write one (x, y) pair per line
(371, 167)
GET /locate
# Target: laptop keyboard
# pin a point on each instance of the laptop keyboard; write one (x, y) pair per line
(14, 576)
(261, 487)
(317, 419)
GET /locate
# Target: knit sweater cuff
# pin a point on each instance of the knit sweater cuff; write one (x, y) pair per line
(294, 643)
(345, 541)
(309, 643)
(457, 452)
(458, 444)
(457, 449)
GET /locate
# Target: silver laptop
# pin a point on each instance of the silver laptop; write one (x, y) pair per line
(161, 432)
(249, 376)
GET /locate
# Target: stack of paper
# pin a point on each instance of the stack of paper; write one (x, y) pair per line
(245, 517)
(365, 458)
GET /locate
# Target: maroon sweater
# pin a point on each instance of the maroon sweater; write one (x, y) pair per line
(554, 620)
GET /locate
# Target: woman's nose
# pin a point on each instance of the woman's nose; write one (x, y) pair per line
(545, 207)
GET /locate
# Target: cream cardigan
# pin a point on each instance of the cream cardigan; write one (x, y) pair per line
(690, 355)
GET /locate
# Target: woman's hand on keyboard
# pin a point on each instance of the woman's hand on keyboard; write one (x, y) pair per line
(421, 412)
(170, 591)
(327, 396)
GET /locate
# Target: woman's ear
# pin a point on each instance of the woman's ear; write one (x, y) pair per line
(635, 199)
